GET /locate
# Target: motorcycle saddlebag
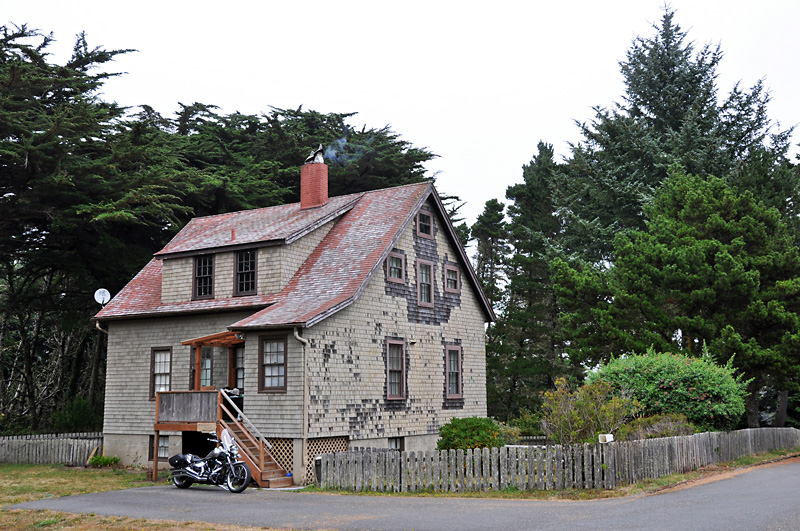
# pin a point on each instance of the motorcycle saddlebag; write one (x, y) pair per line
(178, 461)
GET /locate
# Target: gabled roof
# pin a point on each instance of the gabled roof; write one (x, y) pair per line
(368, 226)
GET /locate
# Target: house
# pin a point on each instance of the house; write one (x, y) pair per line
(351, 321)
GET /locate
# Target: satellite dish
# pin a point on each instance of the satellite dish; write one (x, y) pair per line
(102, 296)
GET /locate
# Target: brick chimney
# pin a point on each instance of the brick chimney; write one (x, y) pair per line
(313, 185)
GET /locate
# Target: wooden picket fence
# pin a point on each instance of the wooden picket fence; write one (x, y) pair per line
(72, 449)
(582, 466)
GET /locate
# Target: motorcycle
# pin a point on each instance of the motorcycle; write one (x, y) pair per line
(220, 467)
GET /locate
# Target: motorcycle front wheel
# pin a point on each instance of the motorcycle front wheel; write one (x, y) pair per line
(238, 477)
(182, 482)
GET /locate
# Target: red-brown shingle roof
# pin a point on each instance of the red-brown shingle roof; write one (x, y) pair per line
(331, 277)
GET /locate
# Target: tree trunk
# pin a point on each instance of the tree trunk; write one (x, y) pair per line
(780, 412)
(751, 403)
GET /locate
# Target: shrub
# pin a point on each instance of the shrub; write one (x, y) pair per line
(711, 396)
(570, 417)
(664, 425)
(103, 461)
(470, 432)
(529, 424)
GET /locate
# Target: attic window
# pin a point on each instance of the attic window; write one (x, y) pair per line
(425, 225)
(245, 282)
(425, 283)
(204, 277)
(396, 267)
(452, 279)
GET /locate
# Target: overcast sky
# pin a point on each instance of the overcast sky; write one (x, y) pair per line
(477, 83)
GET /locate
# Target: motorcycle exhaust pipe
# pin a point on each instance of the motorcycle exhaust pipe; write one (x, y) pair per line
(178, 472)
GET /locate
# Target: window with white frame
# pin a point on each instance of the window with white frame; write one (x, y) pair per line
(453, 381)
(452, 279)
(206, 361)
(395, 369)
(272, 368)
(396, 267)
(425, 283)
(161, 370)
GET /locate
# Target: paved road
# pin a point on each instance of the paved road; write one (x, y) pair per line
(761, 498)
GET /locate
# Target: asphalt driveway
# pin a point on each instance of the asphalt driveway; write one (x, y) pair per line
(766, 497)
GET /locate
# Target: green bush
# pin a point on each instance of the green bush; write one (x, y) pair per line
(470, 432)
(664, 425)
(711, 396)
(103, 461)
(572, 417)
(529, 424)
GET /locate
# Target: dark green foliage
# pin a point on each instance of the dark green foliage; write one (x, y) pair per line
(669, 115)
(528, 423)
(714, 267)
(709, 395)
(523, 354)
(656, 426)
(77, 415)
(471, 432)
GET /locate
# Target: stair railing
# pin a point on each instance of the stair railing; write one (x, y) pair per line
(247, 428)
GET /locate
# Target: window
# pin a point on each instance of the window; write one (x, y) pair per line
(238, 368)
(396, 267)
(205, 366)
(245, 282)
(395, 369)
(204, 277)
(397, 443)
(163, 447)
(452, 279)
(160, 370)
(425, 225)
(453, 371)
(425, 283)
(272, 368)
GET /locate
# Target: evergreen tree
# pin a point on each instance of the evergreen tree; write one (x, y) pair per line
(669, 114)
(524, 356)
(714, 267)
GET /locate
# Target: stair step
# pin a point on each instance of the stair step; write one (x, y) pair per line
(272, 474)
(279, 483)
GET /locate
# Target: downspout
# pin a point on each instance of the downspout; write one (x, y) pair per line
(97, 325)
(305, 401)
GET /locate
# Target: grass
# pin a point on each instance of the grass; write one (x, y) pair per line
(33, 482)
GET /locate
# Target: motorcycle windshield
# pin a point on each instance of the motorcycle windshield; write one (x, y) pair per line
(226, 439)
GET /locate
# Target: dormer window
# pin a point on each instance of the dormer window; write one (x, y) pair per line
(425, 225)
(245, 282)
(203, 277)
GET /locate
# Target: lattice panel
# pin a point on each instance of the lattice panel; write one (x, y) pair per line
(323, 445)
(283, 453)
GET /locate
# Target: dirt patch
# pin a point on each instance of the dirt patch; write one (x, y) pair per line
(713, 473)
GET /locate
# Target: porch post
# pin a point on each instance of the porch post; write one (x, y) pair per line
(155, 457)
(198, 354)
(231, 366)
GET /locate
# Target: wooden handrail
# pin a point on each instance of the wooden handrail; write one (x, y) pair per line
(248, 428)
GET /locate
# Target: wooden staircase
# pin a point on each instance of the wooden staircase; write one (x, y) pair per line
(254, 449)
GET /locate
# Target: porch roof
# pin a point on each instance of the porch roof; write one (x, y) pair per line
(222, 339)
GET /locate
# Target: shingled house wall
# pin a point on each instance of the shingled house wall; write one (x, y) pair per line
(347, 357)
(129, 411)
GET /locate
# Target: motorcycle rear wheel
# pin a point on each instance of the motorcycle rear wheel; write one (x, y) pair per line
(238, 477)
(182, 482)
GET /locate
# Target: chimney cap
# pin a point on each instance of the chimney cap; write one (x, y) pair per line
(316, 156)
